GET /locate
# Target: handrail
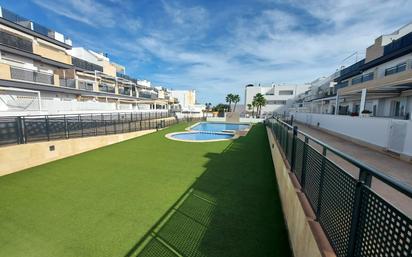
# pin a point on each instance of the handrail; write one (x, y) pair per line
(89, 113)
(389, 180)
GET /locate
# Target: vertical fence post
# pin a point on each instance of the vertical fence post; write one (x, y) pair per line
(47, 127)
(105, 125)
(141, 117)
(81, 123)
(321, 183)
(19, 130)
(95, 124)
(286, 138)
(365, 179)
(120, 121)
(304, 160)
(293, 157)
(66, 132)
(114, 123)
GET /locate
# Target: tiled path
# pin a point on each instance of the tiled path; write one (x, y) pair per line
(399, 169)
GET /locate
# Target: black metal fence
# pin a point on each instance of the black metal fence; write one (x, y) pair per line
(26, 129)
(356, 220)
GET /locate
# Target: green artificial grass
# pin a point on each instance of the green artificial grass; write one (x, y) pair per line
(123, 200)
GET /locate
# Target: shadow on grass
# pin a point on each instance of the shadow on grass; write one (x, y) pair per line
(233, 209)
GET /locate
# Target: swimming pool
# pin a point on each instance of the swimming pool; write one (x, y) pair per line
(199, 136)
(219, 127)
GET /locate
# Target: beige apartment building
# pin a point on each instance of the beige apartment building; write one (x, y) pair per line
(39, 70)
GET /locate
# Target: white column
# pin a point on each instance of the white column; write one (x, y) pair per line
(363, 100)
(337, 104)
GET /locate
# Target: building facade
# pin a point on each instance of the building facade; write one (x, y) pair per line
(380, 85)
(40, 71)
(276, 96)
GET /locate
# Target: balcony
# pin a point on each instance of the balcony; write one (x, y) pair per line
(398, 44)
(10, 16)
(16, 42)
(107, 88)
(84, 85)
(82, 64)
(37, 28)
(31, 76)
(125, 91)
(69, 83)
(395, 82)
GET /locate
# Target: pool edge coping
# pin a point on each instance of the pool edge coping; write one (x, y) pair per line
(170, 136)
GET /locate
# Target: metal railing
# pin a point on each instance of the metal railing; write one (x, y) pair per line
(30, 75)
(26, 129)
(16, 42)
(86, 65)
(356, 220)
(70, 83)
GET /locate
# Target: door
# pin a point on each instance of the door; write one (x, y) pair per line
(397, 134)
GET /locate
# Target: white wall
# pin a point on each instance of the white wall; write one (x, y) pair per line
(373, 130)
(272, 94)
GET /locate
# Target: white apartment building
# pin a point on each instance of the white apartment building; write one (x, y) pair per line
(276, 96)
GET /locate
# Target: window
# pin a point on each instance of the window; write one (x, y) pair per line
(342, 84)
(357, 80)
(398, 68)
(277, 102)
(367, 77)
(362, 78)
(285, 92)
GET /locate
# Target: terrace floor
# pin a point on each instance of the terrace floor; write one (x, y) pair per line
(148, 196)
(383, 162)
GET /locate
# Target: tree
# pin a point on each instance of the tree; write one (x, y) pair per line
(220, 108)
(208, 106)
(260, 101)
(249, 107)
(229, 99)
(253, 107)
(235, 100)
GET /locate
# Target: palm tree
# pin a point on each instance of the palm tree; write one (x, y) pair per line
(253, 107)
(208, 106)
(249, 107)
(235, 99)
(260, 101)
(229, 99)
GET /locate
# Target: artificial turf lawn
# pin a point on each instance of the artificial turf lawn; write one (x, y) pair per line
(102, 203)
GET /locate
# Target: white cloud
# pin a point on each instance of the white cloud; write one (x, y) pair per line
(273, 44)
(92, 13)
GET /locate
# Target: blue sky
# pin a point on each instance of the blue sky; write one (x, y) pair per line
(217, 47)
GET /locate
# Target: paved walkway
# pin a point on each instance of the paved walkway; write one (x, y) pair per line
(399, 169)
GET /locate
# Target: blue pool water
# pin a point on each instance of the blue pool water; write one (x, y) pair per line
(218, 127)
(201, 136)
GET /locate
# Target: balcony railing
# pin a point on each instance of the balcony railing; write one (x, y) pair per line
(124, 76)
(84, 85)
(32, 76)
(107, 88)
(28, 24)
(22, 130)
(398, 44)
(79, 63)
(16, 42)
(124, 91)
(356, 219)
(10, 16)
(70, 83)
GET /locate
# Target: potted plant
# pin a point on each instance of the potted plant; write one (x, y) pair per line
(366, 113)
